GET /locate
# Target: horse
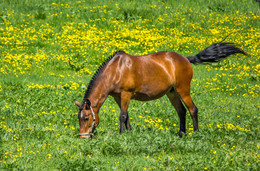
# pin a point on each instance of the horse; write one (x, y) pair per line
(144, 78)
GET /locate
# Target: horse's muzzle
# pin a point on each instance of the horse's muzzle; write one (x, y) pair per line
(86, 135)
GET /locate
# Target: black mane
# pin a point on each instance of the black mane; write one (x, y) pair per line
(97, 73)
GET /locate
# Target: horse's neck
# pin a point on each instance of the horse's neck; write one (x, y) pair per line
(102, 87)
(98, 95)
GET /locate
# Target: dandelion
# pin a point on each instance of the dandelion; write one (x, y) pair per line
(49, 156)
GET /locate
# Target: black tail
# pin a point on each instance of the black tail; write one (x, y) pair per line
(215, 53)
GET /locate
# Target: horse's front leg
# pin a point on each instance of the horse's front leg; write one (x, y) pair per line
(127, 123)
(124, 118)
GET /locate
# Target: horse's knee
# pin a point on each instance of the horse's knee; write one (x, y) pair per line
(123, 118)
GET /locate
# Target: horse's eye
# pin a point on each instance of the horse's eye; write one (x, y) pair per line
(86, 119)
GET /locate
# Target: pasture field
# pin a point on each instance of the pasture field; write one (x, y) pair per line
(50, 50)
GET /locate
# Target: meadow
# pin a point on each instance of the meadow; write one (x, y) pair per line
(49, 50)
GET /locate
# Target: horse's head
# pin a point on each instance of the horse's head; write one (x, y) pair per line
(87, 120)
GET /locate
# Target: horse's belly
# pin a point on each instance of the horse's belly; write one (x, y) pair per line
(150, 93)
(144, 97)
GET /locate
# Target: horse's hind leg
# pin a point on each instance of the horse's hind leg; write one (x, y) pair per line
(186, 98)
(176, 102)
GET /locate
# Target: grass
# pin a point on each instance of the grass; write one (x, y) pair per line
(50, 50)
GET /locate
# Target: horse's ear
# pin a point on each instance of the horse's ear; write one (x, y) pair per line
(88, 103)
(77, 103)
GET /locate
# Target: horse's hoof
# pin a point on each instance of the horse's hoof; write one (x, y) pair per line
(181, 133)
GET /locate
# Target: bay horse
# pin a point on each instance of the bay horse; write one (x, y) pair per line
(147, 77)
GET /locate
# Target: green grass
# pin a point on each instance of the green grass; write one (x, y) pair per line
(50, 50)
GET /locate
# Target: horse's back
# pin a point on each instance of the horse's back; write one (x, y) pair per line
(150, 76)
(169, 67)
